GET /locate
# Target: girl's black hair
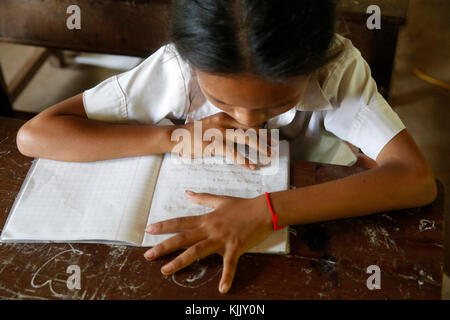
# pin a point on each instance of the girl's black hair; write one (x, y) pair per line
(274, 40)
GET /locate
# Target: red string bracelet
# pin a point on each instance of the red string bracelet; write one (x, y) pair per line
(274, 216)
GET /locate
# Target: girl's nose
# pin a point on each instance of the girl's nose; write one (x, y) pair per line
(250, 118)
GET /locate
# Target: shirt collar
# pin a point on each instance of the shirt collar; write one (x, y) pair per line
(313, 99)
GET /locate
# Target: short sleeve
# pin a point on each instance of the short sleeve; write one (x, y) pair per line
(360, 115)
(148, 93)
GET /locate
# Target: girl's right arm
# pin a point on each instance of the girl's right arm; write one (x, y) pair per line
(64, 132)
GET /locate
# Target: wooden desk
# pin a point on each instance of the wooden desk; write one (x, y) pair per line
(327, 260)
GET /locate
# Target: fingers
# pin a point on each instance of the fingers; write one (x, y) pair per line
(206, 199)
(240, 159)
(181, 240)
(200, 250)
(231, 152)
(233, 133)
(249, 136)
(258, 142)
(174, 225)
(184, 223)
(230, 261)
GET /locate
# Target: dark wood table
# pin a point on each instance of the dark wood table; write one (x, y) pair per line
(327, 260)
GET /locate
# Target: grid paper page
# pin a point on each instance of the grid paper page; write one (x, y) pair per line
(71, 201)
(169, 199)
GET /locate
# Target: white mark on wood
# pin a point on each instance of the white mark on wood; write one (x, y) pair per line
(129, 287)
(306, 270)
(293, 231)
(424, 274)
(117, 254)
(200, 273)
(15, 162)
(379, 236)
(19, 295)
(49, 282)
(118, 251)
(94, 294)
(426, 225)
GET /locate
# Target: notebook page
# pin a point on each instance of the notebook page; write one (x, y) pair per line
(75, 201)
(169, 199)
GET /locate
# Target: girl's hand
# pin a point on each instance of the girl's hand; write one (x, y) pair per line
(235, 226)
(227, 146)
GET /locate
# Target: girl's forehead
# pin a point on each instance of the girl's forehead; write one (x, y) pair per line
(248, 90)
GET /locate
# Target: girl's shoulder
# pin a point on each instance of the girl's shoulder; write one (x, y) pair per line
(347, 73)
(164, 63)
(342, 52)
(154, 89)
(171, 53)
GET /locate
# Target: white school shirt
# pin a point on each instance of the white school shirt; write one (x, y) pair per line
(340, 103)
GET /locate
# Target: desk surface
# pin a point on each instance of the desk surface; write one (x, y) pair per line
(327, 260)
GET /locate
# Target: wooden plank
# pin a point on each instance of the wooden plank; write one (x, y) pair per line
(27, 72)
(127, 27)
(377, 48)
(6, 109)
(392, 11)
(57, 59)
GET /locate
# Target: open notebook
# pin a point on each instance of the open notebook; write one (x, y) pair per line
(112, 201)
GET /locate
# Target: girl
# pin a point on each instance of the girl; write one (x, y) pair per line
(244, 64)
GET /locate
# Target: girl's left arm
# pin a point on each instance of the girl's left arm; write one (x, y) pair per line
(401, 179)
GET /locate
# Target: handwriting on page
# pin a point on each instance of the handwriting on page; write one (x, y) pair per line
(175, 177)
